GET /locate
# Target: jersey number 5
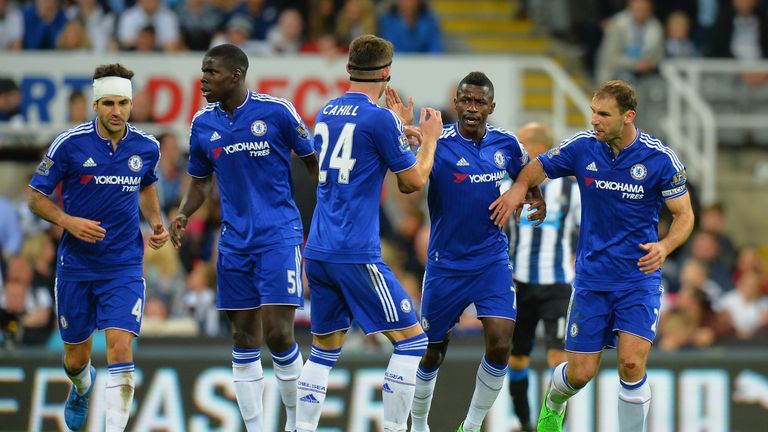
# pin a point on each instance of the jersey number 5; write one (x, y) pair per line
(341, 155)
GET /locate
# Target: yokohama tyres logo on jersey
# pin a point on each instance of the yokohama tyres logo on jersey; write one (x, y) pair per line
(129, 183)
(254, 148)
(629, 191)
(479, 178)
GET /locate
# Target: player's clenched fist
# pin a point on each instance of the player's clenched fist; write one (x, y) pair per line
(177, 229)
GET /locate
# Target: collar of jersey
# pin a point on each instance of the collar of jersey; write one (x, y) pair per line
(96, 128)
(458, 133)
(247, 98)
(358, 94)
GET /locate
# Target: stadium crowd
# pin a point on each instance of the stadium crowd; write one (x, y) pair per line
(717, 291)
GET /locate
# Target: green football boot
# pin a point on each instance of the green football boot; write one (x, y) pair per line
(461, 428)
(549, 420)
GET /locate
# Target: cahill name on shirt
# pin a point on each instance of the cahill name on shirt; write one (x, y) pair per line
(342, 110)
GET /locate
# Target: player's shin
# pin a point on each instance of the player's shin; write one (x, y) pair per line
(119, 395)
(400, 382)
(634, 403)
(248, 377)
(422, 399)
(559, 389)
(312, 386)
(80, 379)
(488, 383)
(288, 367)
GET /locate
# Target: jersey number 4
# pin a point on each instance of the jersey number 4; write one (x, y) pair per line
(341, 155)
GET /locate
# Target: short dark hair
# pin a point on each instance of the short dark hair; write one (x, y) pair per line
(621, 91)
(231, 56)
(368, 51)
(114, 69)
(477, 79)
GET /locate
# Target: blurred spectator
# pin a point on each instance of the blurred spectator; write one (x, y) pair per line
(99, 24)
(286, 36)
(712, 220)
(691, 322)
(170, 171)
(157, 323)
(146, 40)
(199, 300)
(43, 21)
(321, 18)
(146, 13)
(11, 26)
(740, 32)
(36, 317)
(326, 45)
(553, 16)
(73, 37)
(356, 19)
(12, 310)
(749, 260)
(678, 43)
(238, 33)
(694, 274)
(40, 251)
(411, 27)
(78, 108)
(705, 246)
(633, 44)
(199, 21)
(745, 309)
(142, 107)
(262, 14)
(10, 103)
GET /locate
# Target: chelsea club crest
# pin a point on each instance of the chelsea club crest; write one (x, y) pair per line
(638, 171)
(135, 163)
(499, 159)
(258, 128)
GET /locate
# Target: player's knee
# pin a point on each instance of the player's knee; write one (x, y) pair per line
(631, 367)
(433, 357)
(120, 352)
(76, 360)
(244, 339)
(278, 340)
(498, 350)
(578, 377)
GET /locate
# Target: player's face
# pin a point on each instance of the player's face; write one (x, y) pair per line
(113, 112)
(218, 82)
(607, 120)
(473, 105)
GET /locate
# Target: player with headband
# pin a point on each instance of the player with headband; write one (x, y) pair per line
(107, 171)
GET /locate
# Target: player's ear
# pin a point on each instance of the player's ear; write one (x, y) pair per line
(629, 116)
(386, 71)
(95, 105)
(493, 107)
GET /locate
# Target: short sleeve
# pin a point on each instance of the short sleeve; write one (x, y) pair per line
(52, 168)
(150, 177)
(559, 161)
(199, 164)
(392, 144)
(299, 138)
(519, 158)
(673, 177)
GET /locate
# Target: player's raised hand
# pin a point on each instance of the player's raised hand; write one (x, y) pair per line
(652, 261)
(177, 229)
(83, 229)
(508, 203)
(159, 236)
(395, 104)
(413, 133)
(431, 127)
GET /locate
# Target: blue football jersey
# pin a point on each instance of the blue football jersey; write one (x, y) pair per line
(621, 198)
(100, 184)
(465, 180)
(359, 141)
(250, 152)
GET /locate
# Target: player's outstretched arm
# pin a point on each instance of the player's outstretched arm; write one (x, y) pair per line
(83, 229)
(149, 204)
(682, 225)
(415, 178)
(512, 200)
(194, 197)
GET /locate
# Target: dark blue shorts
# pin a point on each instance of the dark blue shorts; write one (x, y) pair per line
(447, 293)
(85, 306)
(368, 293)
(249, 281)
(595, 317)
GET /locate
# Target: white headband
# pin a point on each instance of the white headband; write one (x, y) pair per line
(112, 86)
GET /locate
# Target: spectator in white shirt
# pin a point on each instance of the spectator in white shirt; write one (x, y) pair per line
(149, 13)
(11, 26)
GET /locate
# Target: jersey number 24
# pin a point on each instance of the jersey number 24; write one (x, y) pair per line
(341, 155)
